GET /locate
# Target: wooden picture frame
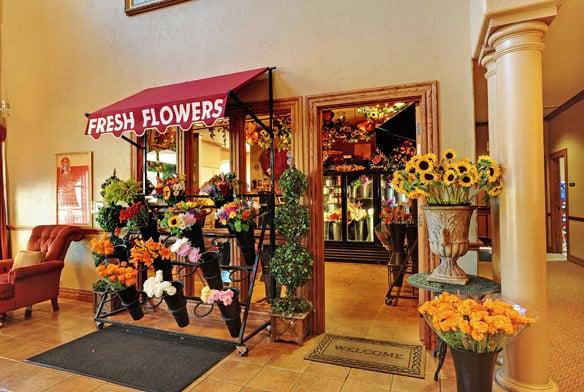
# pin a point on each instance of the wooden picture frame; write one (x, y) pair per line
(74, 188)
(133, 7)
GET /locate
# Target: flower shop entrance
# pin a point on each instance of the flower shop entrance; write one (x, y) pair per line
(424, 97)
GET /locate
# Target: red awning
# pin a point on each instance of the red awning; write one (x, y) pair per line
(198, 102)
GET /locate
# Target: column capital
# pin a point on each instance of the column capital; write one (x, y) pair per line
(489, 63)
(518, 37)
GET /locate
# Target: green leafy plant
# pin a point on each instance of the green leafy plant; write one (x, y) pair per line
(292, 263)
(292, 220)
(293, 184)
(108, 217)
(121, 192)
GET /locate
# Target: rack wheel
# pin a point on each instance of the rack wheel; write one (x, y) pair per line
(243, 350)
(99, 325)
(269, 329)
(389, 301)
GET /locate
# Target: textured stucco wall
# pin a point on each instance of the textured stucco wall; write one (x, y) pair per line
(61, 59)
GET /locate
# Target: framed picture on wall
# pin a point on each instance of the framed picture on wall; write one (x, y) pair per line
(74, 188)
(133, 7)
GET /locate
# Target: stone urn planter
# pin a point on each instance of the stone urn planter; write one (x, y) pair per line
(448, 237)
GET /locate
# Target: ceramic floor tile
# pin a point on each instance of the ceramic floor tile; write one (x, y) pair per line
(310, 383)
(327, 370)
(235, 372)
(367, 377)
(75, 383)
(209, 385)
(108, 387)
(408, 384)
(256, 355)
(290, 361)
(275, 380)
(356, 387)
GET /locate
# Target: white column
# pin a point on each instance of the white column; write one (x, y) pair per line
(489, 63)
(520, 142)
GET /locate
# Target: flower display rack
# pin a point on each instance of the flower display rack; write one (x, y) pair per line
(247, 275)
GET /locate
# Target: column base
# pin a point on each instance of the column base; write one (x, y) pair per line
(511, 385)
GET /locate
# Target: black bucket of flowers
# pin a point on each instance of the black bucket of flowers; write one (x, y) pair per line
(246, 242)
(209, 265)
(129, 299)
(231, 313)
(177, 304)
(195, 236)
(165, 266)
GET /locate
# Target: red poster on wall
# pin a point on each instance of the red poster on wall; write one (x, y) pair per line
(74, 188)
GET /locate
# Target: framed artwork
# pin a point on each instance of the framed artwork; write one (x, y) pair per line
(134, 7)
(74, 188)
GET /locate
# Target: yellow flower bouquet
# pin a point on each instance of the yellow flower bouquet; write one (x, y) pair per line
(448, 181)
(477, 326)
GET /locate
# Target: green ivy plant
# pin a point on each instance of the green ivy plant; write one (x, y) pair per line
(293, 184)
(292, 263)
(292, 221)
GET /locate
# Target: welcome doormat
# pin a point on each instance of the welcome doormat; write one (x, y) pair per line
(140, 358)
(377, 355)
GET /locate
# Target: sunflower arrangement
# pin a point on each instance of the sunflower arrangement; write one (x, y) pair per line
(477, 326)
(171, 189)
(147, 252)
(182, 217)
(448, 181)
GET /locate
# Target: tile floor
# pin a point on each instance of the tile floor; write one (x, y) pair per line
(354, 302)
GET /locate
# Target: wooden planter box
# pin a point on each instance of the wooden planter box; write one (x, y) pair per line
(109, 306)
(290, 329)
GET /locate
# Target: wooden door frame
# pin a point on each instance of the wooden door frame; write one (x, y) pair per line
(555, 228)
(310, 162)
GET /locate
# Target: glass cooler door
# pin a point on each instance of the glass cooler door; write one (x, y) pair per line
(333, 207)
(360, 210)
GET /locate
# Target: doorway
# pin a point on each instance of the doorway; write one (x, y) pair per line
(424, 97)
(559, 228)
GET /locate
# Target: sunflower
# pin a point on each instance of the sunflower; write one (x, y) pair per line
(397, 183)
(450, 154)
(429, 177)
(449, 177)
(493, 173)
(166, 193)
(424, 165)
(496, 191)
(485, 159)
(417, 193)
(467, 180)
(411, 166)
(173, 221)
(462, 166)
(432, 157)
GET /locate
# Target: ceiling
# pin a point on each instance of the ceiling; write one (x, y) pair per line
(563, 61)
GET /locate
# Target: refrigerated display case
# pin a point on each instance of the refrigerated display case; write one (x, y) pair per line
(352, 204)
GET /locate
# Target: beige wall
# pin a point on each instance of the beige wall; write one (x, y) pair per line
(567, 131)
(61, 59)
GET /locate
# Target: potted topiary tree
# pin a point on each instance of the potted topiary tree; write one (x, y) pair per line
(292, 263)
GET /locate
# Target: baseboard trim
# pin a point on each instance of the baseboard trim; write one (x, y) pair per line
(576, 260)
(78, 294)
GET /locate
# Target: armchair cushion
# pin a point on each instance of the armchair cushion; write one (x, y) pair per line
(28, 257)
(37, 269)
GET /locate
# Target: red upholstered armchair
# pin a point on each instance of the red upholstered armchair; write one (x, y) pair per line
(25, 286)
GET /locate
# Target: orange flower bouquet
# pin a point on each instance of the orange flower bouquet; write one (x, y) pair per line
(152, 253)
(477, 326)
(117, 276)
(102, 249)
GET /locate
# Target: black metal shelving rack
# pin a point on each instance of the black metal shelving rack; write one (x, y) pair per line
(267, 224)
